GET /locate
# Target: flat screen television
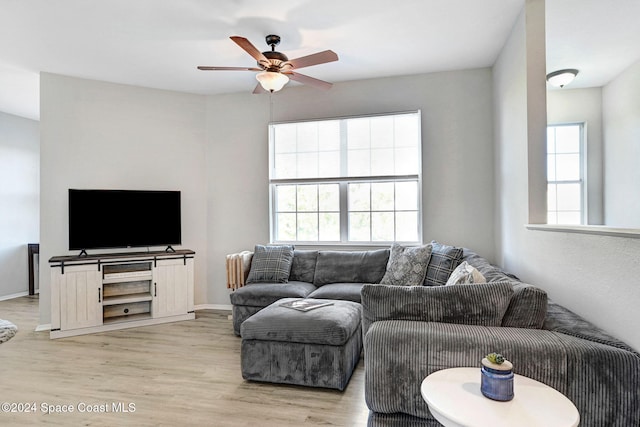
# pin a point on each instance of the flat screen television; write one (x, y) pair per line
(109, 219)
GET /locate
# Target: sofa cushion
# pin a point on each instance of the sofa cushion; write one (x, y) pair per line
(465, 274)
(341, 291)
(271, 264)
(407, 266)
(303, 266)
(263, 294)
(350, 266)
(528, 307)
(444, 259)
(469, 305)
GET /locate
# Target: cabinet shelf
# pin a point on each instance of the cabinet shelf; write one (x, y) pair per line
(126, 299)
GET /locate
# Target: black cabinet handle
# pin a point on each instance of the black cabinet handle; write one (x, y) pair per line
(99, 293)
(155, 289)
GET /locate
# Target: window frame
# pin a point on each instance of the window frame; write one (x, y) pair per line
(343, 183)
(582, 181)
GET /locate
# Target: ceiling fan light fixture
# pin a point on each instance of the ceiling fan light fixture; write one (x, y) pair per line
(561, 78)
(272, 81)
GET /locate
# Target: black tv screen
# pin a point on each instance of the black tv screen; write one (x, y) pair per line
(101, 219)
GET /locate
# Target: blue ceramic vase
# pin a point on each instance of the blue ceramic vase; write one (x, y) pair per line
(497, 381)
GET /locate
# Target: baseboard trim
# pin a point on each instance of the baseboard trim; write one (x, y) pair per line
(226, 307)
(12, 296)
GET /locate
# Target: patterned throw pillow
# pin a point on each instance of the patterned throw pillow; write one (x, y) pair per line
(465, 274)
(444, 259)
(271, 264)
(407, 266)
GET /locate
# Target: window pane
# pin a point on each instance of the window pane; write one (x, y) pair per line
(359, 163)
(307, 137)
(568, 139)
(551, 139)
(308, 226)
(382, 226)
(382, 196)
(285, 166)
(567, 167)
(359, 227)
(407, 161)
(286, 226)
(329, 164)
(407, 195)
(329, 227)
(359, 197)
(551, 197)
(569, 197)
(329, 197)
(382, 162)
(406, 129)
(329, 135)
(407, 226)
(358, 134)
(382, 132)
(307, 165)
(285, 138)
(552, 217)
(551, 167)
(307, 198)
(286, 198)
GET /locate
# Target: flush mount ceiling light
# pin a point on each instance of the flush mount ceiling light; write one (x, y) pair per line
(562, 77)
(272, 80)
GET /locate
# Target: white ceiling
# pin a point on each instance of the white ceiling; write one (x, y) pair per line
(159, 43)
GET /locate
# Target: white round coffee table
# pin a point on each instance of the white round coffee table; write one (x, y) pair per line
(454, 399)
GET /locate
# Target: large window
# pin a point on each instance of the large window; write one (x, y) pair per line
(349, 180)
(565, 174)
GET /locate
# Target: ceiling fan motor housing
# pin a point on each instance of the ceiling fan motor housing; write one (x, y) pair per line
(275, 58)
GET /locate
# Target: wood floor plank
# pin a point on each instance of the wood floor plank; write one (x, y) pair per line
(175, 374)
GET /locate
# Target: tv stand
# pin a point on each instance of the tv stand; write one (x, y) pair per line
(104, 292)
(170, 249)
(83, 253)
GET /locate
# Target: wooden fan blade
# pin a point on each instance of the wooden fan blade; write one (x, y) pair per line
(203, 68)
(259, 89)
(311, 81)
(250, 49)
(314, 59)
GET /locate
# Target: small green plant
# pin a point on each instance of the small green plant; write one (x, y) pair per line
(496, 358)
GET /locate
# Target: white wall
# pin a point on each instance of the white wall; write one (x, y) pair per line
(19, 194)
(584, 106)
(458, 182)
(621, 115)
(595, 276)
(104, 135)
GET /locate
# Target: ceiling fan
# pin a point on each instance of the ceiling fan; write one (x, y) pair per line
(275, 68)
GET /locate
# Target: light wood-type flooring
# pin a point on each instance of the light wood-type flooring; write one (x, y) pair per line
(177, 374)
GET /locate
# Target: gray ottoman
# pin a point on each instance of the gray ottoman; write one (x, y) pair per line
(317, 348)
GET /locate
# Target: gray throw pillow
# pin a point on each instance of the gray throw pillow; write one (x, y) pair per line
(444, 259)
(407, 266)
(271, 264)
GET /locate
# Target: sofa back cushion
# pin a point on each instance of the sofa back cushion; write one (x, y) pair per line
(528, 307)
(483, 304)
(303, 267)
(350, 266)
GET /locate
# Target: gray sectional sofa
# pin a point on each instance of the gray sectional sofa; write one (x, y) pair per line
(410, 332)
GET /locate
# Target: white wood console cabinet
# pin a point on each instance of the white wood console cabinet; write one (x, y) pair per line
(96, 293)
